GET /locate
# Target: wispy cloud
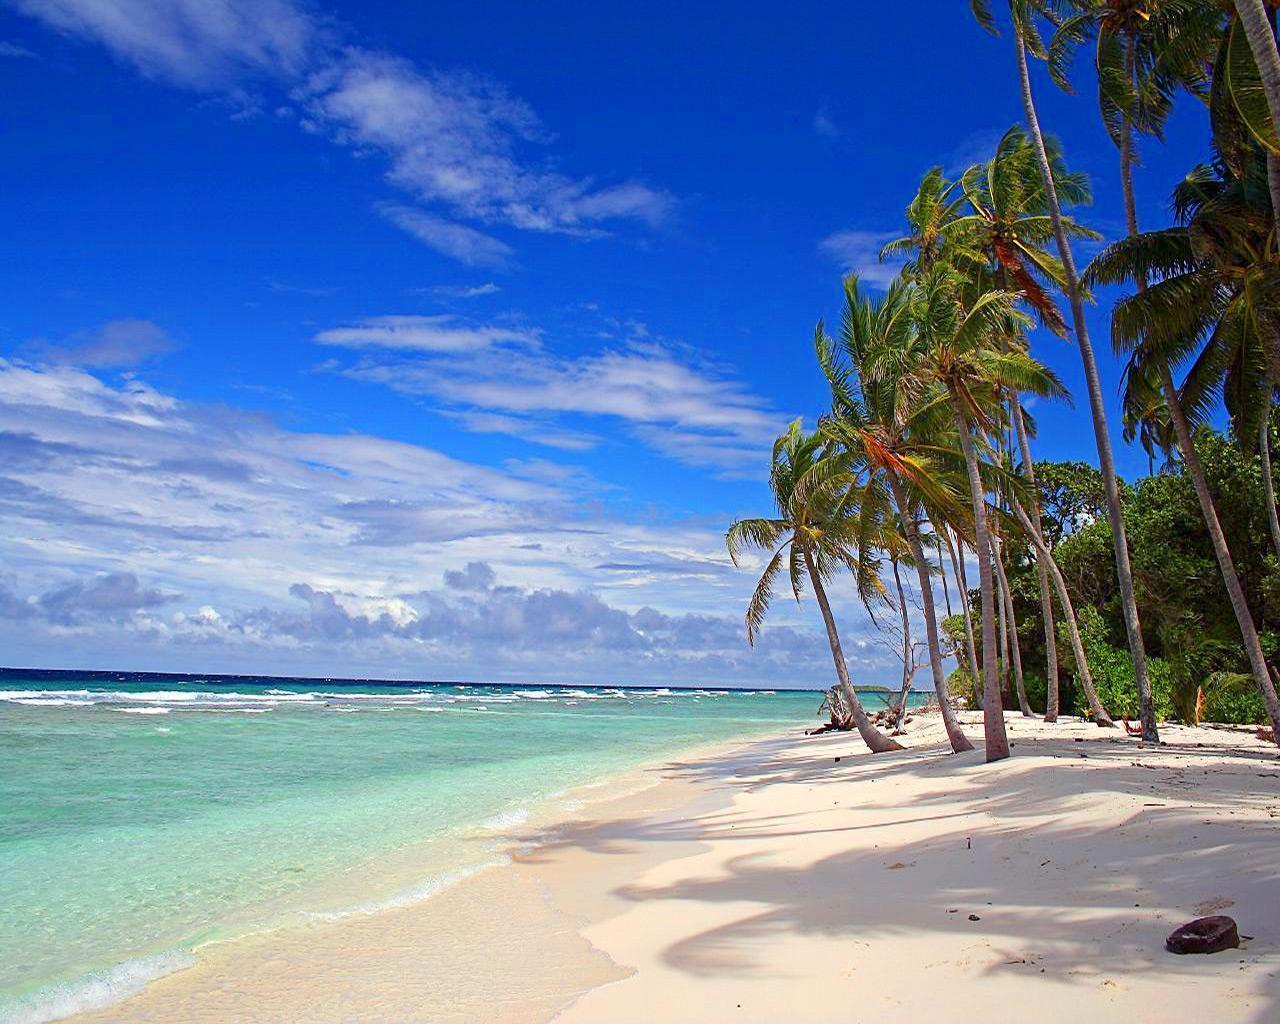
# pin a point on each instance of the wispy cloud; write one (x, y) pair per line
(457, 241)
(824, 125)
(858, 252)
(681, 407)
(201, 43)
(117, 343)
(458, 291)
(440, 333)
(310, 292)
(8, 49)
(457, 143)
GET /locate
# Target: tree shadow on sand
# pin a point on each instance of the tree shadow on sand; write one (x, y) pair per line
(1011, 843)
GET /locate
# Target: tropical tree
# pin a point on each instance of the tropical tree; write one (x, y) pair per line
(890, 442)
(1216, 276)
(959, 328)
(814, 536)
(1255, 21)
(1027, 38)
(1009, 228)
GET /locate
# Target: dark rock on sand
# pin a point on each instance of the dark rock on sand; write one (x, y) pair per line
(1204, 935)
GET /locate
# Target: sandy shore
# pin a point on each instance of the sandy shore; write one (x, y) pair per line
(803, 879)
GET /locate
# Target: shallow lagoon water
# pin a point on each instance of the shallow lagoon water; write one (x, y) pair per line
(139, 817)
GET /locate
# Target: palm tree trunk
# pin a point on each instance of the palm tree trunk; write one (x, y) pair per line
(1002, 628)
(971, 645)
(871, 736)
(1235, 592)
(942, 569)
(906, 649)
(1106, 461)
(1023, 704)
(1264, 456)
(959, 741)
(1262, 42)
(1191, 459)
(1096, 710)
(1051, 700)
(992, 706)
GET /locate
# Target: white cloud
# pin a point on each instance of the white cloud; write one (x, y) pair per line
(823, 125)
(459, 291)
(14, 50)
(117, 343)
(148, 531)
(686, 410)
(464, 244)
(455, 142)
(858, 252)
(204, 43)
(440, 333)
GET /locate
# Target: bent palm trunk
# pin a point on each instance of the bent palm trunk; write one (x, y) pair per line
(871, 736)
(992, 706)
(959, 741)
(1019, 682)
(971, 645)
(1042, 574)
(1235, 593)
(1096, 710)
(900, 717)
(1106, 460)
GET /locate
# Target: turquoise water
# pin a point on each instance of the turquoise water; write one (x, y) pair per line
(138, 818)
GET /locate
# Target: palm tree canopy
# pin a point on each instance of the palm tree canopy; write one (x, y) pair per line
(818, 516)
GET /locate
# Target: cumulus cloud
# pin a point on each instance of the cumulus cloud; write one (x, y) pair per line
(477, 576)
(451, 141)
(156, 529)
(109, 596)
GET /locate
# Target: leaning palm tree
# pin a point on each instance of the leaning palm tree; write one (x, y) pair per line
(887, 443)
(1026, 37)
(1215, 277)
(960, 328)
(813, 537)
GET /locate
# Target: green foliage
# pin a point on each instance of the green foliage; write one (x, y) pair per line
(1188, 625)
(1113, 669)
(960, 687)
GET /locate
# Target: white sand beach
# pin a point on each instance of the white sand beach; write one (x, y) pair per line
(802, 879)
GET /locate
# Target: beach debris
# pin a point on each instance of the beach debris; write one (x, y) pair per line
(974, 917)
(1204, 935)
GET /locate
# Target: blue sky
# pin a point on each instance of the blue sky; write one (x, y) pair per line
(444, 342)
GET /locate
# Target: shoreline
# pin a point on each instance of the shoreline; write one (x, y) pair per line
(765, 880)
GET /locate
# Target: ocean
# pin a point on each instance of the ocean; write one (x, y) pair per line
(141, 816)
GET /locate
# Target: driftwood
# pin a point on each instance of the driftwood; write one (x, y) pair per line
(841, 718)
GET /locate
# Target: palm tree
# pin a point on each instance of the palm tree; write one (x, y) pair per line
(1255, 20)
(1010, 230)
(959, 329)
(813, 537)
(934, 207)
(886, 439)
(1026, 37)
(1214, 277)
